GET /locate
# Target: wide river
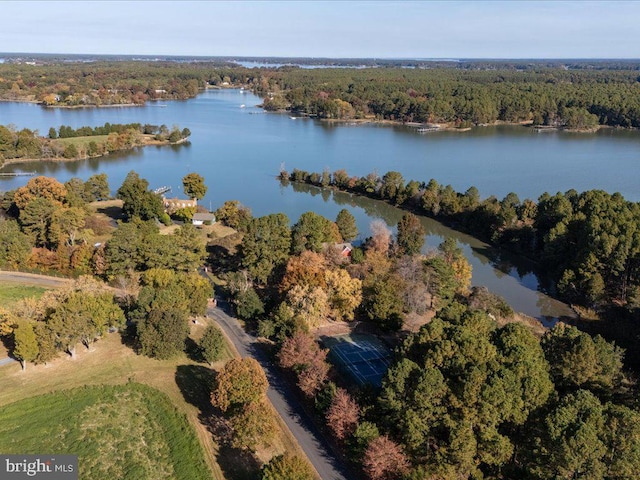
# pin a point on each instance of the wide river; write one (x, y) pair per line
(239, 149)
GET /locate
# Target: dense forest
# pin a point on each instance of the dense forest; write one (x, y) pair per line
(576, 99)
(568, 94)
(589, 242)
(470, 395)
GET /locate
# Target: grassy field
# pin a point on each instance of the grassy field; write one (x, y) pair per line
(83, 141)
(126, 431)
(11, 292)
(184, 381)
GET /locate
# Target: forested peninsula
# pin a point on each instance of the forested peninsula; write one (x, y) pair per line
(576, 95)
(588, 243)
(68, 144)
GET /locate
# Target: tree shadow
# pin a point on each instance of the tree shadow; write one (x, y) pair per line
(129, 339)
(112, 212)
(193, 351)
(7, 342)
(195, 382)
(223, 257)
(238, 464)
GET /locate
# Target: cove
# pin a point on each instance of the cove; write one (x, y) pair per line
(239, 151)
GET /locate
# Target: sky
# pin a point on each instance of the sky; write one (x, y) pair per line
(333, 29)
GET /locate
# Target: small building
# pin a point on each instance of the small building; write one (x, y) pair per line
(203, 219)
(343, 249)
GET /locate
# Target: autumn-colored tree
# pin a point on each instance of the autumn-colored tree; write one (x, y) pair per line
(343, 414)
(311, 379)
(287, 467)
(253, 426)
(241, 381)
(296, 351)
(344, 292)
(310, 304)
(45, 187)
(306, 269)
(384, 459)
(380, 238)
(302, 354)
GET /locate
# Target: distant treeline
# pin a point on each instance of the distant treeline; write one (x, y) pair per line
(113, 83)
(557, 96)
(588, 242)
(571, 94)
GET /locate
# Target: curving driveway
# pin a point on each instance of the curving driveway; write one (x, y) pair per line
(283, 399)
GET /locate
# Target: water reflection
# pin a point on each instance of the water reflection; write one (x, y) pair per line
(511, 276)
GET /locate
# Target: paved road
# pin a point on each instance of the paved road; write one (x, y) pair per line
(283, 399)
(33, 279)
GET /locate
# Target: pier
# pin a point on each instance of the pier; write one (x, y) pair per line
(17, 174)
(161, 190)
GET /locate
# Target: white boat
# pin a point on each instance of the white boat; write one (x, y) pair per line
(242, 106)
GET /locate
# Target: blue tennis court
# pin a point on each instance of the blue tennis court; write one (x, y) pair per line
(362, 357)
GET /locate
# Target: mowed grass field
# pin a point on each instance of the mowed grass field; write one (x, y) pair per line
(11, 292)
(110, 362)
(185, 383)
(128, 431)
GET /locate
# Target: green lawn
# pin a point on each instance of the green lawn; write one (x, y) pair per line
(128, 431)
(78, 141)
(11, 292)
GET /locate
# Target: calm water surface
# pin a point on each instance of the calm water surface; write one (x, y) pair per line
(239, 150)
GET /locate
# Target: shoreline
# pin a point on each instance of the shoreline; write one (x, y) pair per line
(448, 127)
(150, 143)
(567, 315)
(439, 127)
(443, 127)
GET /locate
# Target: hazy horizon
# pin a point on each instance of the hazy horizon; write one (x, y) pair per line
(498, 30)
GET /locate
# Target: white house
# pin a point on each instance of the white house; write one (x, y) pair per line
(203, 219)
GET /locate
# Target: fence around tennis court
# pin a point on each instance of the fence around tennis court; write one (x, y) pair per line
(362, 357)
